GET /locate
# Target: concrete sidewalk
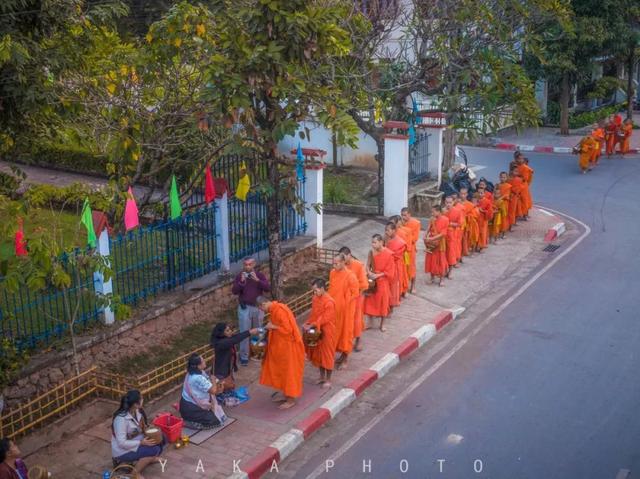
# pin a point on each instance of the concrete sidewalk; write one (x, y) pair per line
(259, 426)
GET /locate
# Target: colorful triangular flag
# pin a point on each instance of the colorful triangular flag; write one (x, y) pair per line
(412, 134)
(377, 111)
(244, 184)
(175, 210)
(299, 163)
(87, 220)
(131, 219)
(209, 187)
(20, 242)
(415, 109)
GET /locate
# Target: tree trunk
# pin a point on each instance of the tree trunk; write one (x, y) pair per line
(564, 104)
(380, 159)
(631, 60)
(273, 227)
(71, 317)
(448, 148)
(334, 149)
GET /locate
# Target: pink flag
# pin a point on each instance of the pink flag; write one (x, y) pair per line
(130, 212)
(20, 242)
(209, 187)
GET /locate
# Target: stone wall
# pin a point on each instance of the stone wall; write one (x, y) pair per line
(152, 327)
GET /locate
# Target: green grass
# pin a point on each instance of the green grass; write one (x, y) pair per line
(347, 186)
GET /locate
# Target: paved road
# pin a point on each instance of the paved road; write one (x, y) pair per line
(547, 389)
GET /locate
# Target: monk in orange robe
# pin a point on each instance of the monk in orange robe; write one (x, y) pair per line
(627, 129)
(474, 225)
(585, 153)
(516, 204)
(610, 131)
(599, 135)
(360, 272)
(398, 247)
(460, 231)
(454, 239)
(485, 204)
(382, 269)
(406, 235)
(415, 227)
(467, 207)
(323, 318)
(505, 193)
(435, 240)
(499, 213)
(526, 173)
(619, 137)
(343, 288)
(283, 363)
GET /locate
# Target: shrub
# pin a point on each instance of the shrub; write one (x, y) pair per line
(63, 157)
(9, 184)
(336, 189)
(68, 197)
(11, 361)
(579, 120)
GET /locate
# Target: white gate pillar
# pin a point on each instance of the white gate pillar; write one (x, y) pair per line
(101, 286)
(396, 168)
(222, 228)
(434, 124)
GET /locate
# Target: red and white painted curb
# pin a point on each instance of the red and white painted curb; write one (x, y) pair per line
(555, 231)
(282, 447)
(540, 148)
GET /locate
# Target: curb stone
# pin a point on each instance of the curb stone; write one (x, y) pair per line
(287, 443)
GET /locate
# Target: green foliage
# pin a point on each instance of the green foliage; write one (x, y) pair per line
(67, 197)
(336, 189)
(580, 120)
(64, 157)
(9, 184)
(11, 361)
(605, 87)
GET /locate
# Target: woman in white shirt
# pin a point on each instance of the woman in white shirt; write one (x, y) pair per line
(198, 402)
(128, 443)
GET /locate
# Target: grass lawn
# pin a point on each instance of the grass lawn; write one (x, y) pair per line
(351, 186)
(73, 234)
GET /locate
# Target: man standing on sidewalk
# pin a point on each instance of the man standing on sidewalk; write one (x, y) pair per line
(248, 285)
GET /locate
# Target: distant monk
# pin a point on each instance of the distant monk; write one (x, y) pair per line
(435, 241)
(499, 213)
(585, 152)
(360, 272)
(283, 363)
(323, 318)
(610, 135)
(517, 186)
(466, 228)
(381, 268)
(452, 238)
(599, 135)
(485, 204)
(627, 129)
(526, 173)
(505, 193)
(406, 235)
(617, 119)
(415, 227)
(474, 225)
(343, 288)
(460, 230)
(398, 247)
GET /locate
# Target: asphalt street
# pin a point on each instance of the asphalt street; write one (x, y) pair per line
(548, 389)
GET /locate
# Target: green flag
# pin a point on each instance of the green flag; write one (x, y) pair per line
(87, 221)
(174, 200)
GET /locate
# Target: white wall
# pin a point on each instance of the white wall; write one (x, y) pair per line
(362, 156)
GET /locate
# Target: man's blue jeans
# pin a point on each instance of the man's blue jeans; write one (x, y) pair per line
(248, 318)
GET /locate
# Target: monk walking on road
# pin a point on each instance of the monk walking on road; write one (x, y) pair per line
(435, 241)
(382, 269)
(610, 131)
(343, 288)
(360, 272)
(398, 247)
(283, 363)
(585, 151)
(323, 318)
(627, 130)
(415, 226)
(505, 193)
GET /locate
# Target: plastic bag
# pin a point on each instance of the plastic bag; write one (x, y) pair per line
(242, 394)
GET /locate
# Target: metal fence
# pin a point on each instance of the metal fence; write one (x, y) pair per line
(164, 255)
(419, 158)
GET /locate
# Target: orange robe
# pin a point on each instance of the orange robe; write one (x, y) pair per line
(499, 214)
(435, 261)
(406, 235)
(505, 194)
(599, 136)
(378, 304)
(358, 269)
(415, 227)
(460, 229)
(516, 203)
(527, 176)
(283, 363)
(610, 137)
(400, 284)
(626, 143)
(474, 227)
(587, 145)
(323, 317)
(485, 204)
(454, 239)
(343, 288)
(467, 207)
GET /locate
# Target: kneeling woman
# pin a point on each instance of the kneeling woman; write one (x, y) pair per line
(198, 404)
(128, 443)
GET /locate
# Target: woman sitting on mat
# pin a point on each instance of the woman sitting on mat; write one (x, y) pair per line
(128, 443)
(223, 342)
(198, 405)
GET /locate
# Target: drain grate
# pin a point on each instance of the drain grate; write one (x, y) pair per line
(551, 248)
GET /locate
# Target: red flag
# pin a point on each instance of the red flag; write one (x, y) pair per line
(209, 187)
(20, 242)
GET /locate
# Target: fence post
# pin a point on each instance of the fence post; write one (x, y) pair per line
(100, 285)
(222, 228)
(396, 168)
(434, 124)
(314, 173)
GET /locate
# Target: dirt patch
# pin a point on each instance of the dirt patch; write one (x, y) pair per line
(350, 185)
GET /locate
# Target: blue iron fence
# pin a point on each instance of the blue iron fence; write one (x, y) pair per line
(419, 158)
(30, 318)
(164, 255)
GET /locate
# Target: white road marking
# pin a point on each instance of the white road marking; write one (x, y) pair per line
(454, 438)
(623, 474)
(545, 212)
(318, 471)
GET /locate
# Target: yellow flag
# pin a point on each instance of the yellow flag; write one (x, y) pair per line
(244, 184)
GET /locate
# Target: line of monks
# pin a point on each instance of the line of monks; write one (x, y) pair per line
(359, 290)
(466, 224)
(612, 136)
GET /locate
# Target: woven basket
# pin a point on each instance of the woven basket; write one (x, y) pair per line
(124, 471)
